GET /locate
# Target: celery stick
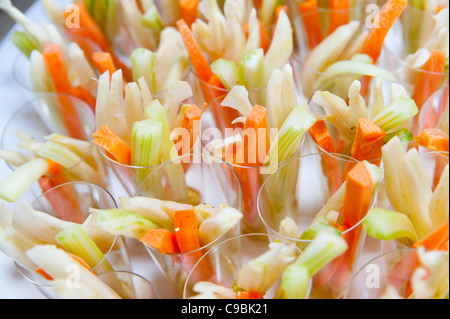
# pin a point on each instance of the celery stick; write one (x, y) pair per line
(152, 18)
(439, 203)
(252, 73)
(175, 172)
(227, 71)
(219, 224)
(123, 222)
(143, 65)
(76, 241)
(389, 225)
(23, 43)
(397, 112)
(295, 283)
(70, 161)
(19, 181)
(404, 135)
(146, 144)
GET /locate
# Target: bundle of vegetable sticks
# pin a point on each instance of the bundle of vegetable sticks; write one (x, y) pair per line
(151, 71)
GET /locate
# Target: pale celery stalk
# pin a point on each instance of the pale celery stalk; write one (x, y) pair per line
(397, 112)
(218, 225)
(254, 38)
(289, 228)
(149, 208)
(238, 99)
(389, 225)
(175, 172)
(281, 48)
(133, 104)
(177, 93)
(439, 203)
(227, 71)
(143, 65)
(70, 161)
(19, 181)
(267, 12)
(56, 262)
(236, 43)
(15, 249)
(152, 18)
(76, 241)
(323, 249)
(83, 70)
(14, 158)
(404, 135)
(123, 222)
(40, 80)
(252, 72)
(260, 273)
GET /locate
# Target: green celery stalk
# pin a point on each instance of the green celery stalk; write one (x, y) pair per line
(404, 135)
(227, 71)
(252, 73)
(152, 18)
(19, 181)
(23, 43)
(175, 172)
(397, 112)
(123, 222)
(389, 225)
(143, 65)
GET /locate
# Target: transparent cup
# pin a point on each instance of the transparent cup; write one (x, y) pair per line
(50, 114)
(227, 258)
(307, 189)
(411, 32)
(71, 203)
(386, 276)
(434, 113)
(311, 26)
(132, 285)
(208, 180)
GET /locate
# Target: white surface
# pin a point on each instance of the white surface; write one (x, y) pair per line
(12, 284)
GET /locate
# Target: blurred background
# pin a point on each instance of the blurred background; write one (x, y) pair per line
(6, 22)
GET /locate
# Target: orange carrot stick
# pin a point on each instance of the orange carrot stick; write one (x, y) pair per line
(191, 122)
(163, 240)
(434, 139)
(58, 73)
(186, 232)
(368, 144)
(83, 94)
(104, 62)
(188, 11)
(339, 14)
(385, 19)
(198, 60)
(311, 21)
(110, 142)
(330, 165)
(64, 204)
(249, 295)
(428, 81)
(435, 239)
(256, 137)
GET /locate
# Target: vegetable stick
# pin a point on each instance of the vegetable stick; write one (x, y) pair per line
(198, 60)
(320, 134)
(163, 240)
(249, 295)
(63, 202)
(186, 232)
(385, 19)
(435, 239)
(434, 139)
(339, 14)
(191, 122)
(104, 62)
(83, 94)
(255, 130)
(428, 81)
(188, 11)
(109, 141)
(403, 270)
(311, 22)
(368, 144)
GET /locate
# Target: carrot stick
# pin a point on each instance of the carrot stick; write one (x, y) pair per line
(186, 232)
(198, 60)
(403, 270)
(311, 21)
(104, 62)
(249, 295)
(83, 94)
(385, 19)
(435, 239)
(428, 81)
(56, 173)
(434, 139)
(64, 204)
(163, 240)
(256, 137)
(250, 183)
(188, 11)
(356, 203)
(55, 66)
(110, 142)
(191, 122)
(264, 37)
(44, 274)
(89, 29)
(330, 165)
(368, 144)
(339, 14)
